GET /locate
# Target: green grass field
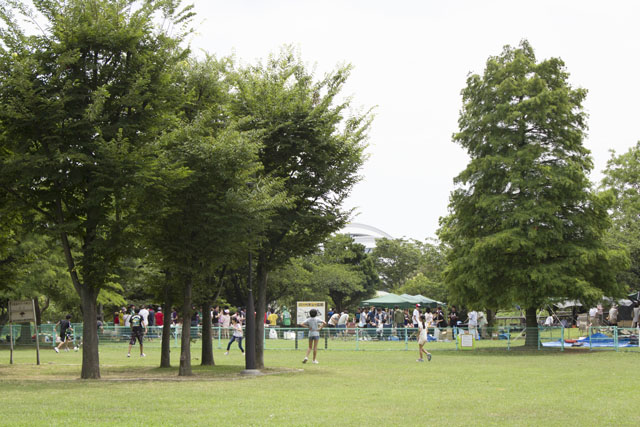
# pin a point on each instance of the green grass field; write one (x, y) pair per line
(348, 388)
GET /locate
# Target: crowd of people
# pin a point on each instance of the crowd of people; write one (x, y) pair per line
(377, 322)
(388, 320)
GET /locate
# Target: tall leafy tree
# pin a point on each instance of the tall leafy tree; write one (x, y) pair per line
(397, 260)
(622, 176)
(80, 100)
(344, 272)
(204, 215)
(209, 195)
(310, 141)
(524, 223)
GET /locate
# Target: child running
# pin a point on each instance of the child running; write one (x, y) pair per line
(315, 325)
(237, 335)
(422, 338)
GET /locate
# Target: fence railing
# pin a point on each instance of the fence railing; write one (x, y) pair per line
(360, 339)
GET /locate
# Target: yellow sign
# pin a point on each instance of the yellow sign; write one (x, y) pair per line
(304, 307)
(465, 341)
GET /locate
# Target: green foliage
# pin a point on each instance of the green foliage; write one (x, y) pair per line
(203, 194)
(345, 272)
(340, 273)
(397, 260)
(622, 177)
(309, 141)
(421, 285)
(293, 282)
(79, 102)
(524, 224)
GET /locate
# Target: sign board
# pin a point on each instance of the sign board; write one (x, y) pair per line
(466, 340)
(22, 311)
(304, 307)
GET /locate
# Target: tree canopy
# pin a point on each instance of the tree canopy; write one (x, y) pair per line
(622, 177)
(313, 143)
(79, 103)
(524, 224)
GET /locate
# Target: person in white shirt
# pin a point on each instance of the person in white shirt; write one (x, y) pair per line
(144, 313)
(362, 322)
(342, 322)
(548, 321)
(225, 323)
(636, 315)
(593, 316)
(613, 315)
(473, 323)
(423, 326)
(415, 319)
(237, 335)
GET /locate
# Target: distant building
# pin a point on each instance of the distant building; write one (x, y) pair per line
(364, 234)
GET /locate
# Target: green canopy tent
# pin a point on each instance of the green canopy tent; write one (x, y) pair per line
(422, 300)
(388, 301)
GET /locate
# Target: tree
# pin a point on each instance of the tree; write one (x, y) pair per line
(622, 176)
(346, 271)
(397, 260)
(422, 285)
(79, 103)
(428, 279)
(308, 142)
(200, 227)
(206, 193)
(524, 223)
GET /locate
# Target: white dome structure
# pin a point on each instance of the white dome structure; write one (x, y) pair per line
(365, 235)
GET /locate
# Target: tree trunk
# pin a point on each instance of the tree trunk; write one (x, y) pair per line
(491, 318)
(90, 356)
(531, 340)
(25, 334)
(165, 352)
(185, 346)
(207, 340)
(44, 308)
(89, 302)
(261, 308)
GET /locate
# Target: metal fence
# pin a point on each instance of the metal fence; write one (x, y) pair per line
(360, 339)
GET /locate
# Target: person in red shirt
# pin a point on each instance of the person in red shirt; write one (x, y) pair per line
(159, 317)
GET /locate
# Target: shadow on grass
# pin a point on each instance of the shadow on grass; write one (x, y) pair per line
(109, 373)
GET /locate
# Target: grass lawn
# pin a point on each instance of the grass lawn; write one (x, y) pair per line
(486, 387)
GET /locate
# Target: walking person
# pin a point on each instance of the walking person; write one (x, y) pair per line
(236, 325)
(315, 325)
(422, 338)
(138, 329)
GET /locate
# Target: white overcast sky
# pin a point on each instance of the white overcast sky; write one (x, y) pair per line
(411, 60)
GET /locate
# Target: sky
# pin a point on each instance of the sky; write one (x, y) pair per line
(411, 59)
